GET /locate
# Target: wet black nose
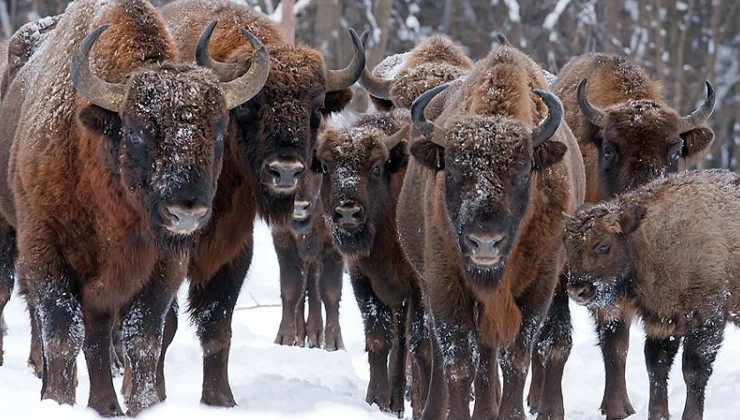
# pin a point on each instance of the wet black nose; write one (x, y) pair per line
(184, 220)
(348, 214)
(285, 173)
(485, 245)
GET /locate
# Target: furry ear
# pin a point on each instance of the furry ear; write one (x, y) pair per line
(336, 100)
(100, 121)
(548, 153)
(397, 157)
(429, 154)
(315, 163)
(631, 218)
(696, 141)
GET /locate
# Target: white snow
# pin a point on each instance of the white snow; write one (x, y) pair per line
(275, 382)
(552, 18)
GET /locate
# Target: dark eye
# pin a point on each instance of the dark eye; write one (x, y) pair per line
(375, 171)
(135, 138)
(324, 169)
(602, 248)
(608, 153)
(674, 153)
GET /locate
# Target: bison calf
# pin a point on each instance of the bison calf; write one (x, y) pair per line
(310, 268)
(643, 245)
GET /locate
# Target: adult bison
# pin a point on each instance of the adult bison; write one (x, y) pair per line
(643, 244)
(628, 136)
(363, 167)
(268, 144)
(112, 169)
(310, 269)
(481, 215)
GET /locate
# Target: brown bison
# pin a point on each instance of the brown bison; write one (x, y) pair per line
(267, 146)
(310, 268)
(112, 169)
(400, 79)
(480, 217)
(628, 136)
(363, 168)
(643, 245)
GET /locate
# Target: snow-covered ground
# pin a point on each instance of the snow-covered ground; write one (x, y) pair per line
(274, 382)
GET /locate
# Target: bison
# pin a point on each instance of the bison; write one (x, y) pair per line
(480, 216)
(628, 136)
(310, 268)
(268, 144)
(112, 168)
(671, 247)
(363, 167)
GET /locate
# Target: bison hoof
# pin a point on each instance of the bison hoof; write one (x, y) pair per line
(617, 410)
(107, 408)
(285, 339)
(218, 399)
(37, 368)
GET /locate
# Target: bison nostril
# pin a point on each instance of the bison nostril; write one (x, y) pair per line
(483, 242)
(348, 214)
(186, 219)
(285, 174)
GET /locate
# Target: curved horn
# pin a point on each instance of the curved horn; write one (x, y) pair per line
(375, 86)
(340, 79)
(595, 115)
(701, 114)
(246, 86)
(503, 40)
(395, 139)
(224, 71)
(551, 123)
(93, 88)
(427, 128)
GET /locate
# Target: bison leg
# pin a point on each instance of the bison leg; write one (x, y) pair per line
(8, 254)
(699, 351)
(330, 286)
(420, 347)
(376, 318)
(549, 356)
(170, 328)
(458, 345)
(62, 332)
(397, 361)
(292, 287)
(614, 342)
(659, 355)
(97, 349)
(314, 327)
(35, 354)
(212, 308)
(487, 390)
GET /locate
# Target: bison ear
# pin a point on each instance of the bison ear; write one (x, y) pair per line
(548, 153)
(336, 100)
(631, 218)
(429, 154)
(397, 157)
(695, 141)
(100, 121)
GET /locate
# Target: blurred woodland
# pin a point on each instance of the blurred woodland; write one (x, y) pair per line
(682, 42)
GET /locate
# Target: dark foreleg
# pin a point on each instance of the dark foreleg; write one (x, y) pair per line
(613, 331)
(8, 254)
(330, 286)
(314, 327)
(420, 348)
(97, 348)
(397, 361)
(659, 355)
(699, 351)
(292, 288)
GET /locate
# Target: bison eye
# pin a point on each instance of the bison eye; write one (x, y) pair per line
(375, 171)
(324, 169)
(135, 138)
(602, 249)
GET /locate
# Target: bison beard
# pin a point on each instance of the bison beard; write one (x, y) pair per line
(353, 243)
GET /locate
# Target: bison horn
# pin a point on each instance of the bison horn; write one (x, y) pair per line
(246, 86)
(554, 117)
(697, 118)
(427, 128)
(395, 139)
(595, 115)
(93, 88)
(375, 86)
(341, 79)
(503, 40)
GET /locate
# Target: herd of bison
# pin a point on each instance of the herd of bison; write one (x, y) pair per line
(469, 206)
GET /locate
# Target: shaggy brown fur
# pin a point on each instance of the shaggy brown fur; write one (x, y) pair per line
(434, 61)
(362, 180)
(488, 180)
(97, 196)
(640, 141)
(671, 246)
(278, 127)
(310, 269)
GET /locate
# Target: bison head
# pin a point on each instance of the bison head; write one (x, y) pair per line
(639, 140)
(362, 172)
(163, 129)
(488, 164)
(278, 127)
(599, 254)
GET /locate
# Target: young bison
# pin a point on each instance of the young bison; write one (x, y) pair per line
(643, 245)
(310, 268)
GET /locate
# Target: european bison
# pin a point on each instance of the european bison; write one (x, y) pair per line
(481, 215)
(400, 79)
(363, 168)
(671, 247)
(268, 144)
(310, 268)
(628, 136)
(112, 168)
